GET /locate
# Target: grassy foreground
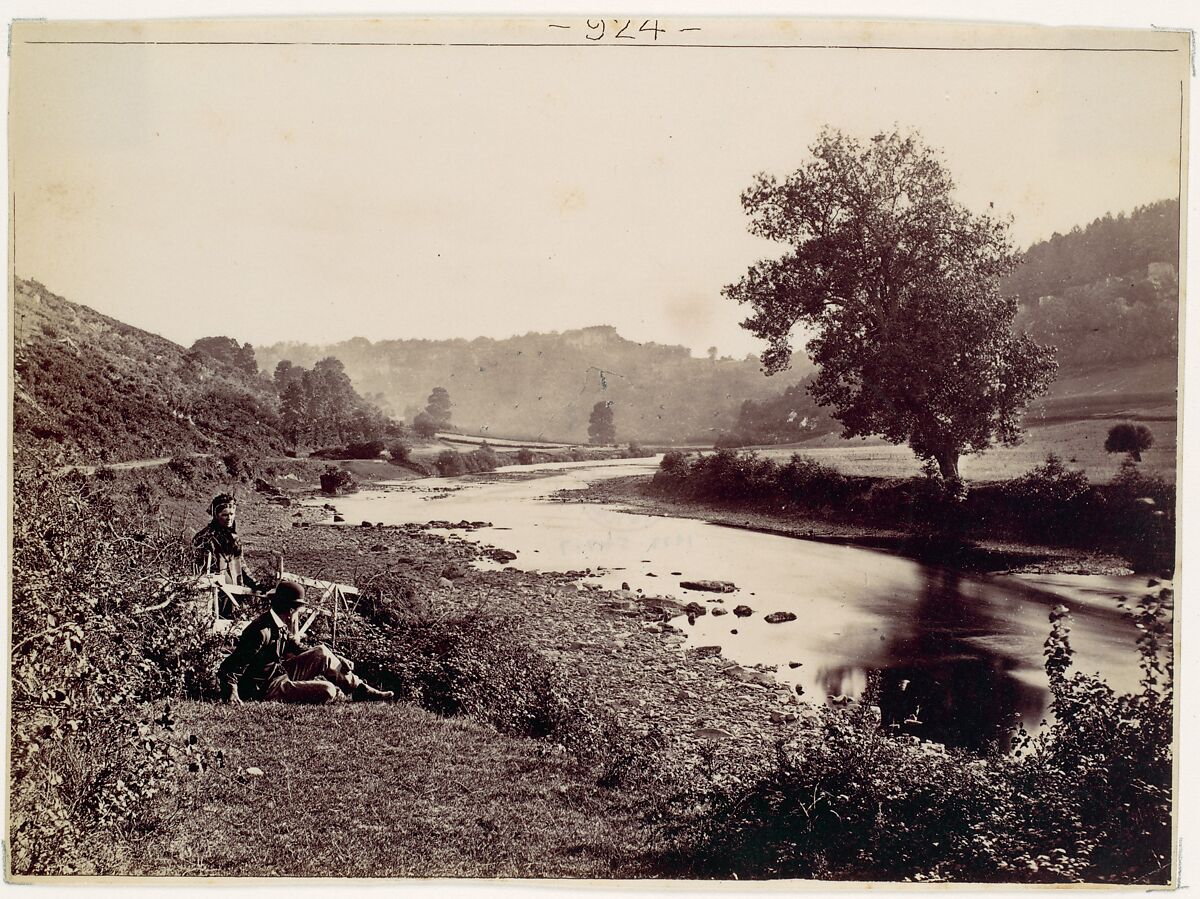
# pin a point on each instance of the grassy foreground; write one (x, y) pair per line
(381, 791)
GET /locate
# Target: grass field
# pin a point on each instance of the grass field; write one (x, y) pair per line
(1078, 443)
(390, 790)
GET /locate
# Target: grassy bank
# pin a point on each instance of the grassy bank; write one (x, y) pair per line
(383, 791)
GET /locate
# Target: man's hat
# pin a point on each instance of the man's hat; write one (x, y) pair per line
(287, 595)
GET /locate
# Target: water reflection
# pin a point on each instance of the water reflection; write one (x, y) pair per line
(937, 681)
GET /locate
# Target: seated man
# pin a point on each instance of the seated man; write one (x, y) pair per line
(269, 663)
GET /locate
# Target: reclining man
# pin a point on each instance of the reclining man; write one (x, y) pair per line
(269, 664)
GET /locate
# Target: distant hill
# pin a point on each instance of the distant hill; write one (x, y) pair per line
(1106, 294)
(545, 385)
(95, 388)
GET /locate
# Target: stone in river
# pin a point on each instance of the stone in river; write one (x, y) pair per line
(366, 524)
(676, 573)
(694, 609)
(795, 664)
(780, 617)
(338, 519)
(709, 586)
(734, 631)
(743, 611)
(720, 611)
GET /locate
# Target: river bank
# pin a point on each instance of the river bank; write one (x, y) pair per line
(989, 556)
(617, 647)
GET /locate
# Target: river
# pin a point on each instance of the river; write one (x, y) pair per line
(952, 657)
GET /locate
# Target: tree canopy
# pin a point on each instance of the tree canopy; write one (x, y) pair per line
(1129, 438)
(898, 284)
(601, 428)
(439, 405)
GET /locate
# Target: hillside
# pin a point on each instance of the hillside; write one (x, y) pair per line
(1105, 294)
(93, 388)
(544, 385)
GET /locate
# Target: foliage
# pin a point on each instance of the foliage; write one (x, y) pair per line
(1142, 511)
(451, 463)
(913, 340)
(601, 427)
(425, 426)
(438, 406)
(336, 480)
(228, 351)
(321, 407)
(366, 449)
(400, 452)
(1129, 438)
(790, 416)
(105, 622)
(1051, 501)
(524, 456)
(841, 798)
(1106, 293)
(1134, 515)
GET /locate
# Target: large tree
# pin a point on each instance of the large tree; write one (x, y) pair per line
(898, 285)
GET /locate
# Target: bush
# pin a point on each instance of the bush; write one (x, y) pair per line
(1052, 502)
(1141, 518)
(811, 485)
(400, 452)
(105, 621)
(369, 449)
(335, 480)
(524, 456)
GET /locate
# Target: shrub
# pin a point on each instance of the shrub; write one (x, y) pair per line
(1052, 502)
(105, 621)
(635, 451)
(335, 480)
(809, 484)
(400, 452)
(450, 463)
(1141, 518)
(524, 456)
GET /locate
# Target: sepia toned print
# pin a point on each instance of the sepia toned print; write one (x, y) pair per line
(627, 448)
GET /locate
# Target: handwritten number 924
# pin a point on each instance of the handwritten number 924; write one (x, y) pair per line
(596, 29)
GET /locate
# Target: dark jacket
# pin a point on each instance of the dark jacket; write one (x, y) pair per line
(254, 663)
(219, 551)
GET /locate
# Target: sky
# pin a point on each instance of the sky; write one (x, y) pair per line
(318, 193)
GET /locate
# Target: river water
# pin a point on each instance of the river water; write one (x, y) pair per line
(952, 657)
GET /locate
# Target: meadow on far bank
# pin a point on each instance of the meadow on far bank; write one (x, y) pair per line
(1079, 444)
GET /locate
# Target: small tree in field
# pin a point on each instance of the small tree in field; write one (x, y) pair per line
(601, 429)
(1129, 438)
(900, 286)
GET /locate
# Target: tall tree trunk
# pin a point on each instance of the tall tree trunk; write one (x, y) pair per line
(948, 464)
